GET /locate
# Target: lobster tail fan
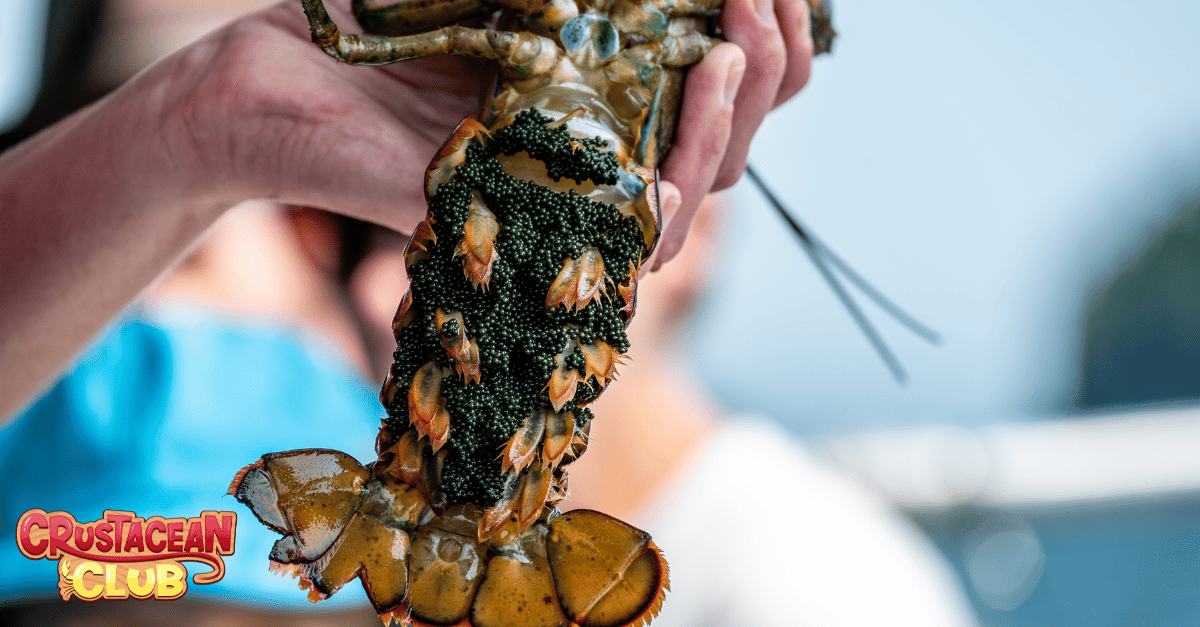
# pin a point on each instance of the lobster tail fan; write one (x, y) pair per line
(607, 573)
(371, 550)
(252, 486)
(447, 567)
(307, 494)
(517, 585)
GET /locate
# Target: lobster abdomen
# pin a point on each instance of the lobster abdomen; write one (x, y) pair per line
(524, 276)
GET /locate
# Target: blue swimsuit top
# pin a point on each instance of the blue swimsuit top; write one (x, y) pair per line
(157, 417)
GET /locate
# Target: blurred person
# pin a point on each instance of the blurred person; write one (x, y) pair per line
(252, 344)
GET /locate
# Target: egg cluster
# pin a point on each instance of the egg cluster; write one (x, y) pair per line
(518, 337)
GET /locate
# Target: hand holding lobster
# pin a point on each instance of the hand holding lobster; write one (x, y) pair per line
(276, 120)
(254, 110)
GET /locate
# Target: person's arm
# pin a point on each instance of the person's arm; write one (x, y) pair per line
(91, 210)
(96, 207)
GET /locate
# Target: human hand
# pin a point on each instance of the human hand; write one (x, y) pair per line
(269, 115)
(766, 60)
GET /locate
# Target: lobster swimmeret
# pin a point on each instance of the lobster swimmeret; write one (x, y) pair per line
(523, 278)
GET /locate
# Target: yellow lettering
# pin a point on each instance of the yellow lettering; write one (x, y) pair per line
(111, 591)
(170, 581)
(84, 592)
(137, 589)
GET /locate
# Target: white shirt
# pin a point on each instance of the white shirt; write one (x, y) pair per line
(758, 533)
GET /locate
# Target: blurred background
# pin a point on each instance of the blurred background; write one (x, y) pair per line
(1024, 177)
(1021, 176)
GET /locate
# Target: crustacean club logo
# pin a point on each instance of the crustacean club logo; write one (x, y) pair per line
(124, 556)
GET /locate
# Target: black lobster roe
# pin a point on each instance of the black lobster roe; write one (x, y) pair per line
(518, 336)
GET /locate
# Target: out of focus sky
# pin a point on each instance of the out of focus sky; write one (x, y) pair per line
(987, 165)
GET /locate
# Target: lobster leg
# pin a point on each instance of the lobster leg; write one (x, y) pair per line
(522, 54)
(656, 68)
(413, 16)
(696, 7)
(821, 14)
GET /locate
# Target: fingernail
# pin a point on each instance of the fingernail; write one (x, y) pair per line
(733, 79)
(670, 204)
(766, 9)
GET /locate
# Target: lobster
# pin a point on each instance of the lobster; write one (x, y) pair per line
(523, 279)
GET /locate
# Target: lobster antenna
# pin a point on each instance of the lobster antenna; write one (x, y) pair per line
(901, 316)
(885, 303)
(819, 252)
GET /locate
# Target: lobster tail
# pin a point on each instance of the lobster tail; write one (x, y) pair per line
(338, 522)
(447, 565)
(515, 318)
(580, 568)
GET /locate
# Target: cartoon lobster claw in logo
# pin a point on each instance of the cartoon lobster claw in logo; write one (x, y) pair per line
(523, 278)
(66, 580)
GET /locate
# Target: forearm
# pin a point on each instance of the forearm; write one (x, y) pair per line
(92, 210)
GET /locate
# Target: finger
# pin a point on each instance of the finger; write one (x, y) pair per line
(793, 16)
(669, 200)
(702, 139)
(752, 25)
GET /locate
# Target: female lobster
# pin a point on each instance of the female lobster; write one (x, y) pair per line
(524, 276)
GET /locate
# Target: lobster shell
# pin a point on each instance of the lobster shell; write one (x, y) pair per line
(524, 276)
